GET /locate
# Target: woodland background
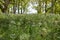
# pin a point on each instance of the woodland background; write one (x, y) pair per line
(17, 22)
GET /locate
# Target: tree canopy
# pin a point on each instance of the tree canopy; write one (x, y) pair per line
(44, 6)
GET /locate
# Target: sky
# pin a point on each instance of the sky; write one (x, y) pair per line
(31, 9)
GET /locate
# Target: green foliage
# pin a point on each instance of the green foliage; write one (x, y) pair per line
(22, 6)
(30, 27)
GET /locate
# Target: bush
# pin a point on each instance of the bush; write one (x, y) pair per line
(30, 27)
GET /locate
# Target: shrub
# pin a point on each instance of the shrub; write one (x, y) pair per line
(30, 27)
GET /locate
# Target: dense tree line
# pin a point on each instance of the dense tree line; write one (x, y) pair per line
(46, 6)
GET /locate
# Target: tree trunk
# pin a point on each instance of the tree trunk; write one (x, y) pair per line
(18, 8)
(14, 9)
(52, 7)
(55, 6)
(4, 6)
(39, 6)
(45, 6)
(21, 8)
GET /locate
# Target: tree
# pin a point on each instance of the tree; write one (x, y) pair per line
(4, 5)
(23, 4)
